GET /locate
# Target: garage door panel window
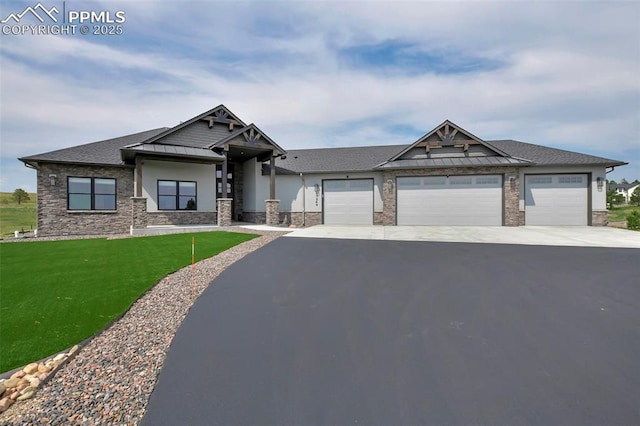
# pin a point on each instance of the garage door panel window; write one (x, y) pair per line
(570, 179)
(488, 180)
(461, 180)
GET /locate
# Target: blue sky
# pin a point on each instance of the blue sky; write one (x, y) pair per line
(314, 74)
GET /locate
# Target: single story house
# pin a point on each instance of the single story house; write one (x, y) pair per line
(215, 169)
(626, 189)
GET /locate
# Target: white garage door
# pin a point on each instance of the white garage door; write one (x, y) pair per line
(454, 200)
(348, 202)
(556, 200)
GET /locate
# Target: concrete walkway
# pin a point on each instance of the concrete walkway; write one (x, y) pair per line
(577, 236)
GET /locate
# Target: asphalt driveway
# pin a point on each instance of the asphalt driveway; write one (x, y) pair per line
(343, 332)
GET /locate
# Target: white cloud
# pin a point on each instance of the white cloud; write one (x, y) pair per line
(566, 79)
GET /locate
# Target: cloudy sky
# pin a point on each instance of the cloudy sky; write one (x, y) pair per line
(321, 74)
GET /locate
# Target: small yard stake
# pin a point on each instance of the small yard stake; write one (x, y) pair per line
(193, 255)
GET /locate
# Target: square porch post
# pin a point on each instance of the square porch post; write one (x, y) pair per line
(223, 205)
(273, 205)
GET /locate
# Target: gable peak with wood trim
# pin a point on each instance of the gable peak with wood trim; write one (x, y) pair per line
(216, 129)
(448, 140)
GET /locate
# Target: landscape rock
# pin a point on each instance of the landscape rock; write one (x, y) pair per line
(18, 374)
(26, 395)
(59, 357)
(4, 404)
(31, 368)
(2, 388)
(11, 383)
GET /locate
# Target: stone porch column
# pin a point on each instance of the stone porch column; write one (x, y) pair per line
(511, 187)
(138, 212)
(273, 212)
(224, 211)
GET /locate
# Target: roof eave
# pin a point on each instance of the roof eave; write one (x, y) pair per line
(76, 163)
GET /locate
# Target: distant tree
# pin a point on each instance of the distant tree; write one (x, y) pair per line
(20, 195)
(635, 197)
(636, 182)
(614, 197)
(624, 181)
(612, 182)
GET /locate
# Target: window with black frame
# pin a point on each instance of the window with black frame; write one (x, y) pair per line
(177, 195)
(88, 193)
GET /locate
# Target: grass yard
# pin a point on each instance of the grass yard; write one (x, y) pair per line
(620, 213)
(16, 217)
(54, 294)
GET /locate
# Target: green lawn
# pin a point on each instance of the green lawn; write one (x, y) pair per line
(14, 217)
(54, 294)
(620, 213)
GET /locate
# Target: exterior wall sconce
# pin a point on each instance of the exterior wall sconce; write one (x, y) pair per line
(512, 182)
(53, 180)
(600, 183)
(390, 184)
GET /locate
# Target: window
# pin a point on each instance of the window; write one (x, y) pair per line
(460, 180)
(487, 180)
(570, 179)
(541, 179)
(91, 193)
(177, 195)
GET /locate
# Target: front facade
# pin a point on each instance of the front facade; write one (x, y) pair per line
(215, 169)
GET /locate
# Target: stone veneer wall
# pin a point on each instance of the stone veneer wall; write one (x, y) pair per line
(55, 219)
(183, 217)
(511, 211)
(273, 212)
(224, 210)
(255, 217)
(139, 217)
(290, 218)
(599, 218)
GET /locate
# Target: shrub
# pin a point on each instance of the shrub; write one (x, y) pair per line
(633, 221)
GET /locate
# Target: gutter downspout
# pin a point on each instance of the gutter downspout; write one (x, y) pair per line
(304, 201)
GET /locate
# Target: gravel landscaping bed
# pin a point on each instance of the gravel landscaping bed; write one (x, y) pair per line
(110, 379)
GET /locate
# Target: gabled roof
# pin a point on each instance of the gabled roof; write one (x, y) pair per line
(621, 186)
(447, 134)
(546, 156)
(220, 114)
(369, 158)
(251, 135)
(105, 152)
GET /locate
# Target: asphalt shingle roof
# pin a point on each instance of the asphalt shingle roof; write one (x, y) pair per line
(105, 152)
(546, 156)
(328, 160)
(319, 160)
